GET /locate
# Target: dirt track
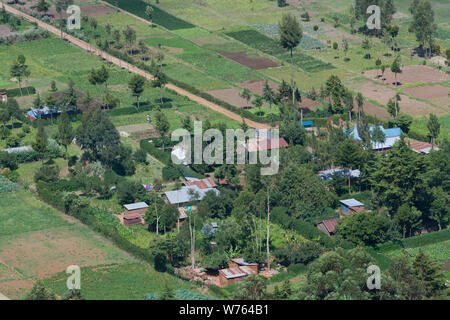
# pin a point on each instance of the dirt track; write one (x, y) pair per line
(85, 46)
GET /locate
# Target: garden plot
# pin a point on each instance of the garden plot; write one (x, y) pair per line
(257, 86)
(436, 94)
(374, 110)
(232, 97)
(307, 62)
(255, 63)
(409, 74)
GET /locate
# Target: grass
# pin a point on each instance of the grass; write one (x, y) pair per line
(257, 40)
(307, 62)
(130, 281)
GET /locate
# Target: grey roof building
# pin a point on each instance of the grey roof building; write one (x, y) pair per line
(135, 206)
(182, 195)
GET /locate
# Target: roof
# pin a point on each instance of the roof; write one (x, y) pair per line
(231, 273)
(330, 224)
(391, 134)
(136, 206)
(421, 147)
(307, 123)
(18, 149)
(354, 173)
(351, 203)
(254, 145)
(131, 216)
(357, 209)
(242, 262)
(182, 195)
(214, 224)
(202, 184)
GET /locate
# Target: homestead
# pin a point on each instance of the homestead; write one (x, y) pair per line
(238, 269)
(45, 113)
(351, 206)
(328, 226)
(187, 195)
(392, 135)
(136, 208)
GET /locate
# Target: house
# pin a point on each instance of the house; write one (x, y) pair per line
(202, 184)
(421, 147)
(45, 113)
(350, 206)
(3, 97)
(238, 269)
(183, 196)
(132, 219)
(139, 208)
(328, 226)
(255, 145)
(327, 174)
(392, 135)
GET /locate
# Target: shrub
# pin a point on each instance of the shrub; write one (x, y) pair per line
(130, 191)
(160, 262)
(140, 156)
(47, 173)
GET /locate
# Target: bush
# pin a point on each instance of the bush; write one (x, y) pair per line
(160, 155)
(130, 191)
(170, 173)
(47, 173)
(160, 262)
(140, 156)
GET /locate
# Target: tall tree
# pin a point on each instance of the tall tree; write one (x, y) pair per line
(41, 142)
(162, 124)
(20, 70)
(290, 37)
(434, 127)
(246, 94)
(360, 103)
(349, 156)
(395, 68)
(65, 130)
(136, 86)
(423, 24)
(160, 82)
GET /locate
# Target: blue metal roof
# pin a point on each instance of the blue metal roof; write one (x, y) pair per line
(307, 123)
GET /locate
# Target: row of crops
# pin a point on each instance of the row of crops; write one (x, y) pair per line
(270, 46)
(7, 186)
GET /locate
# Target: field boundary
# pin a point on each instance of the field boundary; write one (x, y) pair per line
(125, 65)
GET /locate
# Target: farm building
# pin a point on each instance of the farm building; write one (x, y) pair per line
(238, 269)
(328, 226)
(202, 184)
(183, 196)
(421, 147)
(255, 145)
(139, 208)
(44, 113)
(350, 206)
(3, 97)
(392, 135)
(132, 219)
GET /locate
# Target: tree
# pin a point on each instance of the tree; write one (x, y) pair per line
(42, 6)
(345, 46)
(290, 37)
(73, 294)
(408, 218)
(378, 63)
(423, 24)
(429, 274)
(102, 76)
(130, 191)
(62, 5)
(129, 34)
(268, 95)
(393, 108)
(349, 155)
(40, 143)
(136, 86)
(360, 103)
(96, 132)
(403, 121)
(160, 82)
(149, 14)
(65, 130)
(19, 70)
(254, 287)
(162, 124)
(439, 210)
(258, 102)
(40, 292)
(434, 127)
(246, 94)
(395, 68)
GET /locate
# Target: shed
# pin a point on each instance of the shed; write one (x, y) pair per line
(238, 269)
(328, 226)
(350, 206)
(138, 207)
(132, 219)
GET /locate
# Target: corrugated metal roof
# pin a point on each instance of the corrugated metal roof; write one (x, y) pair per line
(18, 149)
(136, 206)
(131, 216)
(202, 184)
(351, 203)
(330, 224)
(182, 195)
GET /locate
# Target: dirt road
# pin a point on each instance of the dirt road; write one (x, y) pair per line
(86, 46)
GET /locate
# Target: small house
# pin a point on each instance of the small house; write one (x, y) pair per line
(132, 219)
(3, 97)
(139, 208)
(202, 184)
(328, 226)
(238, 269)
(183, 197)
(350, 206)
(392, 135)
(421, 147)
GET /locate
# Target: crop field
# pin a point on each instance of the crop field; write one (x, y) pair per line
(307, 62)
(257, 40)
(32, 234)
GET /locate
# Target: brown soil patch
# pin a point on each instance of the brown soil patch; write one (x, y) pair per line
(374, 110)
(174, 50)
(409, 74)
(418, 108)
(257, 86)
(232, 97)
(96, 10)
(428, 92)
(252, 63)
(309, 103)
(5, 31)
(212, 40)
(15, 289)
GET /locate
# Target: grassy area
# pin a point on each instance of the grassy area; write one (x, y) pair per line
(130, 281)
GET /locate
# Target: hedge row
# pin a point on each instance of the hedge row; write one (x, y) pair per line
(163, 156)
(97, 219)
(16, 91)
